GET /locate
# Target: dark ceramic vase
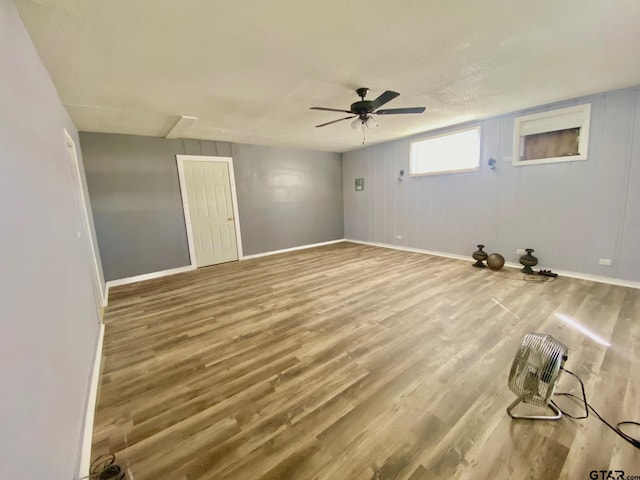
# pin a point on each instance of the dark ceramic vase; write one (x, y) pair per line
(528, 261)
(479, 256)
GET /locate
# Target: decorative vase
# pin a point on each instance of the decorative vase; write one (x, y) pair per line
(528, 261)
(479, 256)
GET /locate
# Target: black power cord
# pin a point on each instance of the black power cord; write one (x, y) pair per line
(105, 468)
(583, 399)
(524, 277)
(633, 441)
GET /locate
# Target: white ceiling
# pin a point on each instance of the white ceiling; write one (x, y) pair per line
(250, 70)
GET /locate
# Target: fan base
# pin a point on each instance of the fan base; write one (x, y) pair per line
(551, 405)
(362, 92)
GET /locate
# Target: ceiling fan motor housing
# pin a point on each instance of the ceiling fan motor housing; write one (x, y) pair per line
(363, 107)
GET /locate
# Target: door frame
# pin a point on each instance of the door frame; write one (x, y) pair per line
(72, 155)
(180, 159)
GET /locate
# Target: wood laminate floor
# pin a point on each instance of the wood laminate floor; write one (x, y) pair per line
(357, 362)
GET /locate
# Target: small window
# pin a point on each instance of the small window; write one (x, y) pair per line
(557, 136)
(452, 152)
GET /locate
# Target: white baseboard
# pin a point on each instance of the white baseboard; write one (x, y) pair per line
(411, 249)
(103, 299)
(292, 249)
(87, 435)
(188, 268)
(146, 276)
(562, 273)
(595, 278)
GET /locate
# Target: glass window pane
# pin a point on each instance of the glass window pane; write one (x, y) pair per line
(559, 143)
(459, 151)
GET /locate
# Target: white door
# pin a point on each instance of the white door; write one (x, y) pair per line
(84, 229)
(208, 188)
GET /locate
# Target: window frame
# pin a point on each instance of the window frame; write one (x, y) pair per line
(578, 116)
(478, 128)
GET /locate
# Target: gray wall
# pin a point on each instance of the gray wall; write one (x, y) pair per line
(135, 194)
(48, 320)
(286, 198)
(571, 213)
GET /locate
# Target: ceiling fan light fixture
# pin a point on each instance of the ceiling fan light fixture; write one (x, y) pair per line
(370, 123)
(356, 123)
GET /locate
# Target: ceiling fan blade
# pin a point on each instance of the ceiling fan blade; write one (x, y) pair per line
(384, 98)
(395, 111)
(335, 121)
(330, 110)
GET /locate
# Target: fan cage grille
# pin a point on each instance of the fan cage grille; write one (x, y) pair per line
(536, 368)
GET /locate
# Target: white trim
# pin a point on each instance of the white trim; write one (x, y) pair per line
(189, 268)
(71, 148)
(578, 116)
(146, 276)
(87, 435)
(596, 278)
(180, 159)
(411, 249)
(293, 249)
(562, 273)
(236, 216)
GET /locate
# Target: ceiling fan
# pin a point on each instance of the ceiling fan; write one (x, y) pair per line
(363, 109)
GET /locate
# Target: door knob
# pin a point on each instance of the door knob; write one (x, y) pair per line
(229, 219)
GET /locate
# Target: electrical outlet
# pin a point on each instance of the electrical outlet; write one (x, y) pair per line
(398, 237)
(605, 261)
(520, 251)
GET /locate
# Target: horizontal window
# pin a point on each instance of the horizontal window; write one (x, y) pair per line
(452, 152)
(560, 135)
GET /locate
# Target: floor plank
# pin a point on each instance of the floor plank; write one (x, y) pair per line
(357, 362)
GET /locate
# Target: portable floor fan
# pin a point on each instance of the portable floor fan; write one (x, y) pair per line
(534, 374)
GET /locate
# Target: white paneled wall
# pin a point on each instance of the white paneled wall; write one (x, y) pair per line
(572, 213)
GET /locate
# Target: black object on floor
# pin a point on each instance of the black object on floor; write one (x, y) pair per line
(547, 273)
(105, 468)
